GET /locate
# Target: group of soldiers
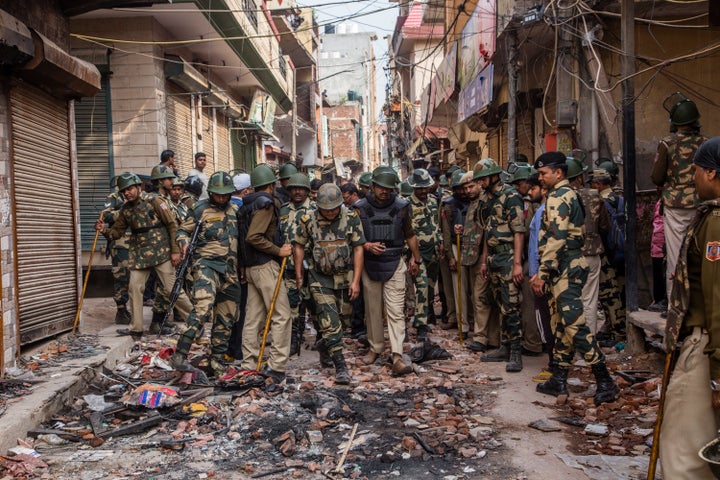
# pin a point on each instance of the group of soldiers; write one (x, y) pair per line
(353, 258)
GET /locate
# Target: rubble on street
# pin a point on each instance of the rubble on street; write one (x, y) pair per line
(143, 420)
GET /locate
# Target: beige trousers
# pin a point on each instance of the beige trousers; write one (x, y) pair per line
(689, 421)
(136, 287)
(485, 318)
(390, 296)
(676, 222)
(261, 285)
(591, 292)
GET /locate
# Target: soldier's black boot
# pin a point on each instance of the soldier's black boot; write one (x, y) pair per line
(555, 385)
(157, 319)
(514, 364)
(325, 360)
(296, 336)
(607, 390)
(422, 333)
(342, 376)
(502, 354)
(122, 317)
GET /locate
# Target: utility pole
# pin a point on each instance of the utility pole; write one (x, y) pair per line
(565, 59)
(293, 141)
(512, 97)
(627, 38)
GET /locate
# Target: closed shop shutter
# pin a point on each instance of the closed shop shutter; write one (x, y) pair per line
(179, 127)
(244, 150)
(44, 216)
(207, 138)
(224, 161)
(93, 157)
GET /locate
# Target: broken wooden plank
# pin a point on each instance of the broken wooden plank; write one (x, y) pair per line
(65, 435)
(139, 426)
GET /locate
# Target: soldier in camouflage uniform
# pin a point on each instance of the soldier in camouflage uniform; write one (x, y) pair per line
(193, 190)
(152, 247)
(178, 189)
(364, 183)
(333, 236)
(692, 400)
(563, 272)
(298, 189)
(673, 171)
(425, 218)
(597, 224)
(451, 212)
(501, 262)
(120, 258)
(281, 192)
(612, 281)
(216, 287)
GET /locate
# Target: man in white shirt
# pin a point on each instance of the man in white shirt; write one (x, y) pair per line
(200, 162)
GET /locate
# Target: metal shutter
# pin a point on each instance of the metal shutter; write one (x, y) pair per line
(93, 157)
(224, 162)
(179, 127)
(46, 250)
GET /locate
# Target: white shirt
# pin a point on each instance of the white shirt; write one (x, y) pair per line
(203, 178)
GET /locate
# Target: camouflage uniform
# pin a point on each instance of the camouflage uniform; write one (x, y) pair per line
(452, 212)
(502, 218)
(612, 283)
(329, 247)
(692, 324)
(119, 252)
(152, 226)
(162, 295)
(289, 215)
(673, 173)
(216, 286)
(563, 268)
(425, 224)
(597, 223)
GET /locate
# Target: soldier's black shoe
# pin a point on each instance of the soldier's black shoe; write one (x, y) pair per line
(555, 385)
(514, 363)
(123, 317)
(325, 360)
(274, 375)
(607, 390)
(502, 354)
(296, 336)
(476, 346)
(127, 331)
(342, 376)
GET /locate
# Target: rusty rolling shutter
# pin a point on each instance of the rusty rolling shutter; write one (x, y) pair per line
(44, 218)
(179, 127)
(224, 162)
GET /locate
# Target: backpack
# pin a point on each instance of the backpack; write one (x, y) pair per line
(615, 238)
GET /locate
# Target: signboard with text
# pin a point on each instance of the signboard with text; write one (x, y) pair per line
(477, 94)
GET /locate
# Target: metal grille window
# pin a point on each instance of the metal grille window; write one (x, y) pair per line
(251, 12)
(282, 65)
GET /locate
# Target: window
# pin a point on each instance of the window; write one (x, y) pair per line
(251, 12)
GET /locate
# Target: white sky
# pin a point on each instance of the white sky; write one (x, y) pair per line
(380, 18)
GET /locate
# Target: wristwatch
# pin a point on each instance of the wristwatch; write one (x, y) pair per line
(418, 262)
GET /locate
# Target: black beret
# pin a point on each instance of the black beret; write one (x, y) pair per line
(708, 155)
(550, 159)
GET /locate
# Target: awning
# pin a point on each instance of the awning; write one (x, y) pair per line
(255, 128)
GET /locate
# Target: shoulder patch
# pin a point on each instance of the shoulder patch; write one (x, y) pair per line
(712, 251)
(163, 206)
(304, 218)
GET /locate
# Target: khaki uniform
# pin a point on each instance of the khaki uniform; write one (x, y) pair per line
(693, 318)
(119, 250)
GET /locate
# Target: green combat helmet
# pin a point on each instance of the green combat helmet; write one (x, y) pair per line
(608, 165)
(262, 175)
(299, 180)
(161, 171)
(444, 181)
(329, 197)
(456, 179)
(575, 167)
(682, 110)
(599, 174)
(420, 178)
(220, 183)
(385, 176)
(287, 171)
(365, 179)
(127, 180)
(177, 182)
(451, 170)
(405, 189)
(520, 171)
(485, 168)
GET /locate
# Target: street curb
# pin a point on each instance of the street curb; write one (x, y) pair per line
(60, 385)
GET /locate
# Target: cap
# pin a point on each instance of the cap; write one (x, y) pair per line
(598, 174)
(550, 159)
(708, 155)
(241, 181)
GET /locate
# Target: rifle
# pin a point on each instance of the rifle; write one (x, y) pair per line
(180, 275)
